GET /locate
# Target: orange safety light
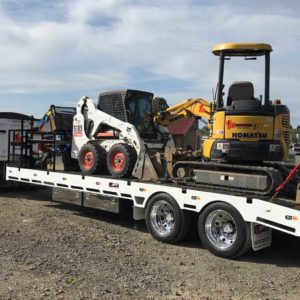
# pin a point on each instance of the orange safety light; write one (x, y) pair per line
(277, 101)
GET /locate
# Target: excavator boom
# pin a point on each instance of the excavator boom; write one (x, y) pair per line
(198, 108)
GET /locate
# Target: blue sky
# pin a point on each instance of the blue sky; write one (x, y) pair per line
(54, 52)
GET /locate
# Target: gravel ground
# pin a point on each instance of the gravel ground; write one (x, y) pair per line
(54, 251)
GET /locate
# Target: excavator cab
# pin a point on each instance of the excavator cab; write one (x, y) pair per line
(246, 128)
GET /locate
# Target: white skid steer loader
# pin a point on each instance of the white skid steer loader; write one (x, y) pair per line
(118, 137)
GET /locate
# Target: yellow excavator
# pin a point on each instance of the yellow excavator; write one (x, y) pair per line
(244, 128)
(249, 133)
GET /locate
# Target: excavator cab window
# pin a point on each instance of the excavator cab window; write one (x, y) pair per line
(140, 115)
(244, 88)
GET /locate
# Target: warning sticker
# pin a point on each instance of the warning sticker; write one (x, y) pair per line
(77, 130)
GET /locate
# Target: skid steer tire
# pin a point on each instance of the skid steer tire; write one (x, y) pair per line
(91, 159)
(120, 160)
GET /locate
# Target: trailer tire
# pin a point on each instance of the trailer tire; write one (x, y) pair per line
(248, 242)
(91, 159)
(120, 160)
(165, 221)
(223, 231)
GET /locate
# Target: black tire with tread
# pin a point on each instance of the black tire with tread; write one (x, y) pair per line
(99, 155)
(242, 243)
(182, 220)
(130, 160)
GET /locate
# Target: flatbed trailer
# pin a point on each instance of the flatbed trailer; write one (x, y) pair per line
(228, 224)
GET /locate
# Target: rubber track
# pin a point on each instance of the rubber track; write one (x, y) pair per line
(274, 175)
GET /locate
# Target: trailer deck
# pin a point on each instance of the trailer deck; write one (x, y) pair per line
(272, 214)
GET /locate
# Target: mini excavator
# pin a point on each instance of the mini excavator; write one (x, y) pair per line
(248, 134)
(244, 128)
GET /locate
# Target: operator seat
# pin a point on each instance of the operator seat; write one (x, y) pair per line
(241, 96)
(240, 90)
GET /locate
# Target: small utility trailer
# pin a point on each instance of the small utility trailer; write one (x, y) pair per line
(10, 121)
(228, 225)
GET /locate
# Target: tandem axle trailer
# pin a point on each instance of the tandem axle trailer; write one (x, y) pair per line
(228, 225)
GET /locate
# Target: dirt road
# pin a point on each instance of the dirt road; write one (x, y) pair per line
(53, 251)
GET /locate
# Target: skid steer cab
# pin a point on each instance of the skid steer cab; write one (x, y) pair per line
(118, 137)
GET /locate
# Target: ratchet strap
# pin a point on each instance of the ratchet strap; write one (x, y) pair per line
(287, 180)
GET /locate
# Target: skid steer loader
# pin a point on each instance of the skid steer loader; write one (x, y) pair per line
(118, 137)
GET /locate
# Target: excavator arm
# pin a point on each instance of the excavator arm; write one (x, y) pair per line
(198, 108)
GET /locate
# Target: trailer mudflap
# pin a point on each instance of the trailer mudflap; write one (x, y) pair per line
(261, 236)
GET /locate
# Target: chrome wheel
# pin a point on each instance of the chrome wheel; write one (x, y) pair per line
(221, 229)
(162, 218)
(165, 220)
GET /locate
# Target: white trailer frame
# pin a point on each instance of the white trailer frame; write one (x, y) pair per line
(255, 211)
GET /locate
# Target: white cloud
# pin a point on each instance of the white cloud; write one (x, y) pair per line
(99, 45)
